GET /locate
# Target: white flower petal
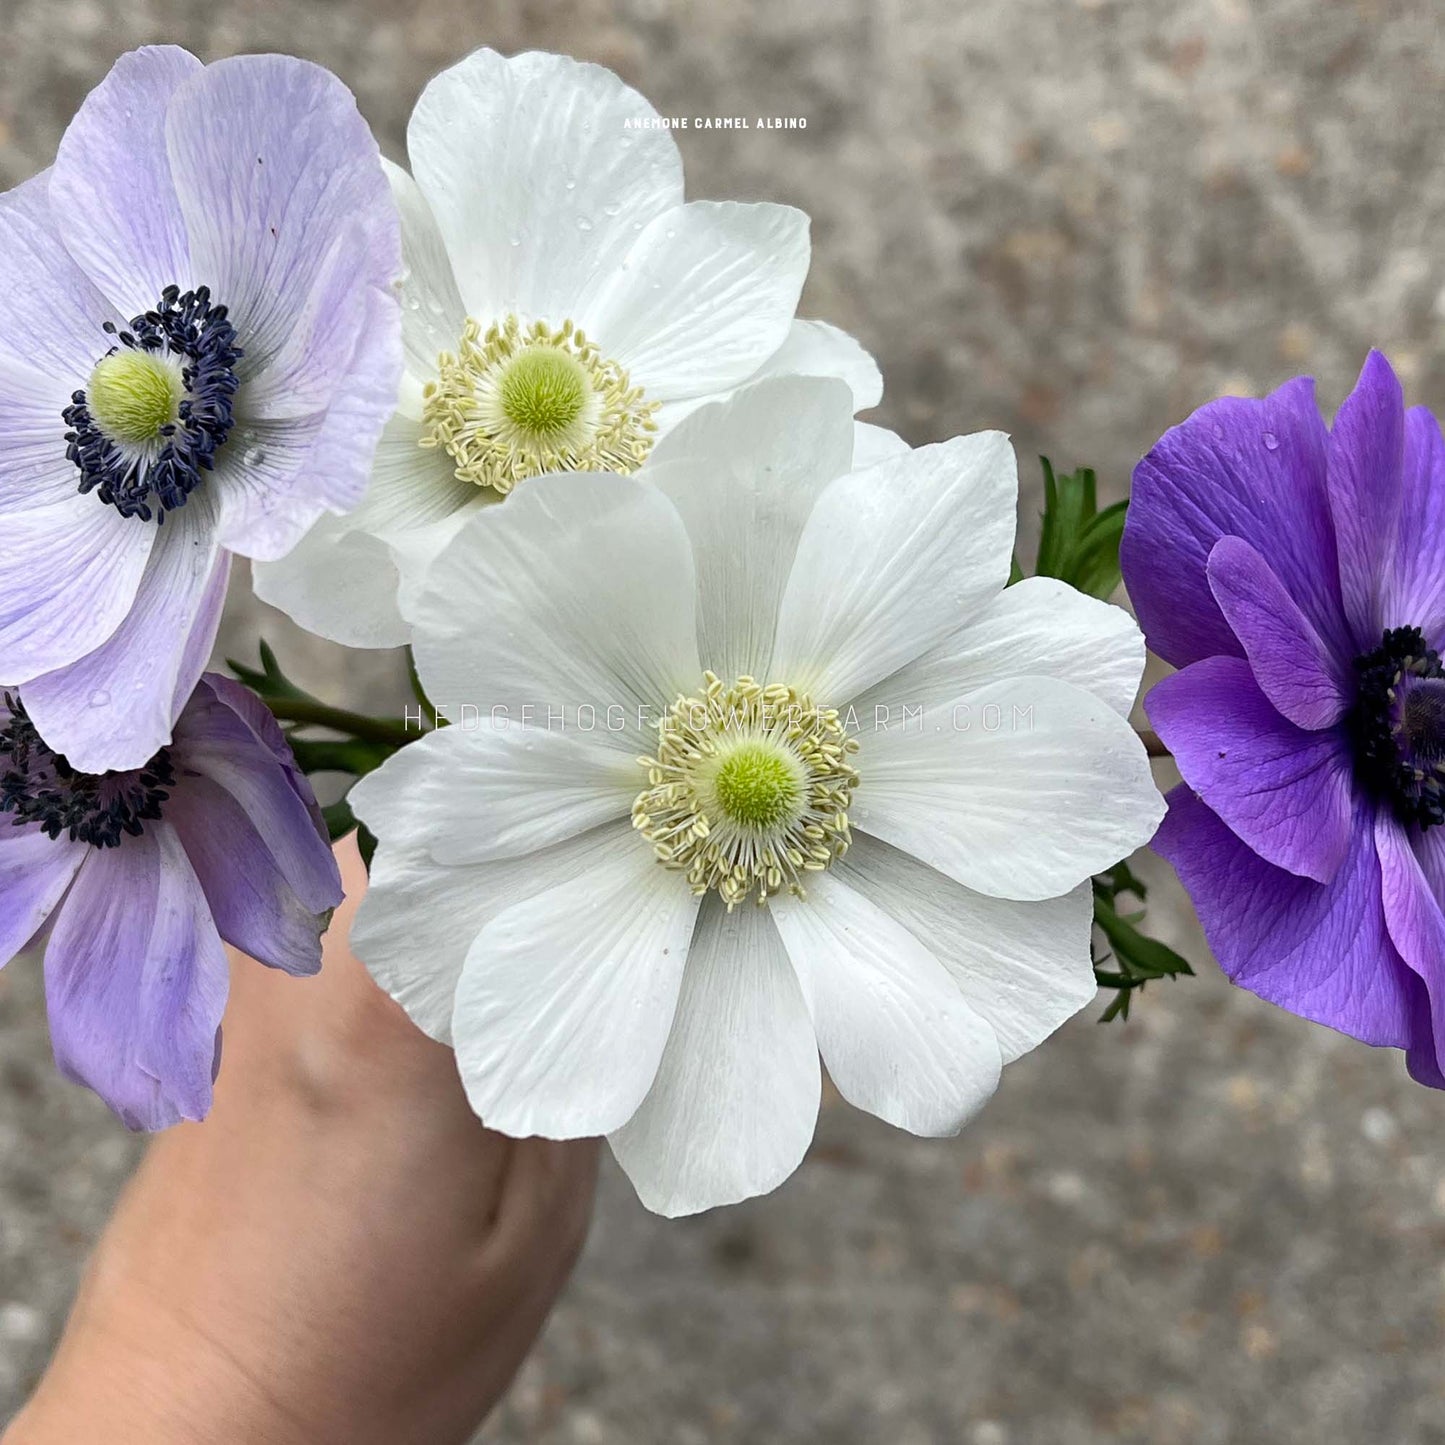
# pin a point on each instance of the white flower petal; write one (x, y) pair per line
(339, 583)
(732, 1110)
(814, 348)
(503, 792)
(537, 184)
(411, 485)
(744, 475)
(1039, 627)
(432, 314)
(577, 592)
(1025, 967)
(566, 1000)
(898, 1037)
(1021, 789)
(704, 298)
(892, 560)
(419, 918)
(873, 444)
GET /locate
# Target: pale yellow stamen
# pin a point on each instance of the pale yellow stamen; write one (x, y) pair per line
(515, 403)
(749, 789)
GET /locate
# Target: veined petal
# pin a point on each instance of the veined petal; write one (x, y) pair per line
(1290, 661)
(1413, 585)
(51, 316)
(704, 298)
(254, 906)
(111, 186)
(897, 1035)
(114, 707)
(733, 1107)
(744, 475)
(501, 791)
(411, 485)
(72, 571)
(432, 313)
(566, 1000)
(594, 577)
(1022, 789)
(1024, 967)
(271, 162)
(35, 871)
(34, 469)
(539, 177)
(263, 511)
(814, 348)
(1286, 792)
(1320, 950)
(136, 982)
(1242, 468)
(1417, 929)
(226, 736)
(419, 918)
(1366, 460)
(892, 560)
(1039, 627)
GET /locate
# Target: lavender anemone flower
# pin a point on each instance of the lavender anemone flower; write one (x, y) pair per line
(1296, 577)
(137, 877)
(199, 348)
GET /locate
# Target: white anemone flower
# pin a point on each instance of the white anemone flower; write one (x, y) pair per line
(754, 757)
(563, 308)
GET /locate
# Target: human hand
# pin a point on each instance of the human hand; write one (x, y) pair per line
(341, 1252)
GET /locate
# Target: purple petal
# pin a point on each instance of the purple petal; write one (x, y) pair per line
(71, 574)
(136, 982)
(1320, 950)
(1417, 928)
(111, 186)
(50, 314)
(34, 470)
(215, 738)
(1413, 586)
(1290, 661)
(1284, 791)
(273, 162)
(1250, 469)
(34, 872)
(1366, 460)
(114, 707)
(256, 910)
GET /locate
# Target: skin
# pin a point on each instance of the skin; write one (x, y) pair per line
(340, 1253)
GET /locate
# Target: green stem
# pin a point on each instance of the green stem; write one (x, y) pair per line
(389, 733)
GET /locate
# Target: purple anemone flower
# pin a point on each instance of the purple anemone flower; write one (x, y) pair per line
(199, 348)
(135, 878)
(1296, 577)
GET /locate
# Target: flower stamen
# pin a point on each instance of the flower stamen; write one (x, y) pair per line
(749, 789)
(515, 403)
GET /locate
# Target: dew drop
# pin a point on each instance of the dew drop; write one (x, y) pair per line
(1271, 442)
(516, 240)
(100, 698)
(583, 223)
(1218, 432)
(254, 456)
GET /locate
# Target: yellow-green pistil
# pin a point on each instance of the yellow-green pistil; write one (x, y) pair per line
(134, 395)
(517, 402)
(748, 790)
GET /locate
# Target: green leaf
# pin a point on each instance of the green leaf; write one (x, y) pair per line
(1078, 543)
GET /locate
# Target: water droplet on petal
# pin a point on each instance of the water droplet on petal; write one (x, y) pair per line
(100, 698)
(583, 223)
(1271, 442)
(254, 456)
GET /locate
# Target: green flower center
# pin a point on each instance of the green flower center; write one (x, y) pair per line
(756, 786)
(543, 390)
(749, 789)
(515, 402)
(134, 396)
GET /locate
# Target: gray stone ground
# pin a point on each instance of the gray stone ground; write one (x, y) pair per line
(1075, 221)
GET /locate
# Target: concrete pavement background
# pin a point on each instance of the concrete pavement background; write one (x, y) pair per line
(1075, 220)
